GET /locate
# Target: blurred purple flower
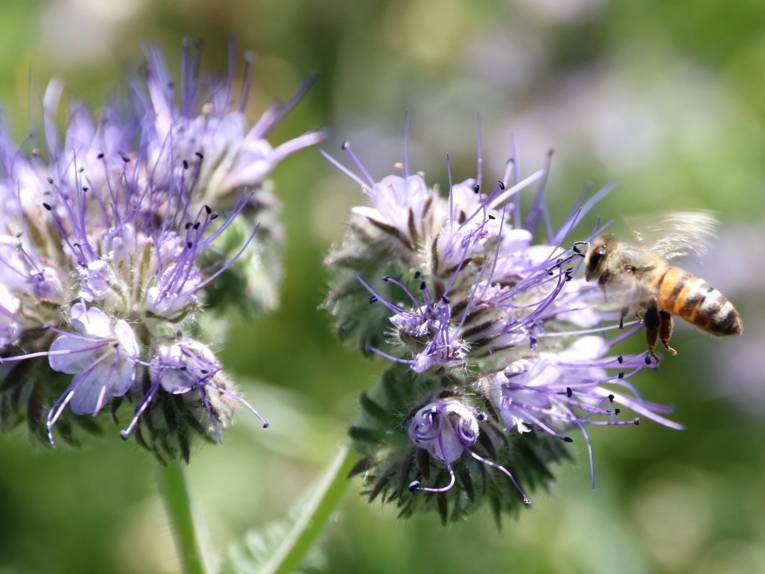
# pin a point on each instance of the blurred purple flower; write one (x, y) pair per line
(116, 216)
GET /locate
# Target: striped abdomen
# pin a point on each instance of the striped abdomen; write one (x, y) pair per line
(690, 297)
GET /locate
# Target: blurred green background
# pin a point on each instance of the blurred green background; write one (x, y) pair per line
(668, 98)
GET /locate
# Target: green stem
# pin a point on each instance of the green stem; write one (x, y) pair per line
(175, 492)
(314, 517)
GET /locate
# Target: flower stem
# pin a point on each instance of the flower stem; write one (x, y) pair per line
(175, 492)
(314, 516)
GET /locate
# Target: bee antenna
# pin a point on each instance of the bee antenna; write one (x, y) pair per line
(575, 247)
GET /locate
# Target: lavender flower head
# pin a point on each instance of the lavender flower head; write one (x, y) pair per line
(111, 242)
(498, 352)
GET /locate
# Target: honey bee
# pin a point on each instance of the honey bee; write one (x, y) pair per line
(639, 276)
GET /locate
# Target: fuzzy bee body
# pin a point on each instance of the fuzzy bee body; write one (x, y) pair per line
(640, 278)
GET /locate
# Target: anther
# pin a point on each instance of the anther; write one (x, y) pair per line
(189, 244)
(476, 188)
(208, 209)
(501, 185)
(417, 274)
(647, 360)
(568, 439)
(199, 154)
(569, 392)
(373, 299)
(100, 156)
(620, 359)
(188, 225)
(617, 411)
(422, 286)
(345, 145)
(185, 164)
(611, 398)
(414, 486)
(50, 180)
(196, 225)
(445, 299)
(637, 422)
(621, 374)
(491, 216)
(480, 417)
(47, 206)
(85, 189)
(213, 217)
(126, 159)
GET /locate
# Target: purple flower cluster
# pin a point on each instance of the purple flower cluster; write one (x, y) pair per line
(110, 235)
(488, 302)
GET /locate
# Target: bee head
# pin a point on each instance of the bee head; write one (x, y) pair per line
(595, 259)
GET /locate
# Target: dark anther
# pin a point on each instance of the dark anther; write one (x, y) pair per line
(204, 371)
(81, 170)
(387, 278)
(346, 144)
(445, 299)
(126, 159)
(569, 392)
(611, 398)
(637, 422)
(115, 345)
(208, 210)
(189, 244)
(476, 188)
(617, 411)
(199, 155)
(417, 274)
(50, 180)
(647, 360)
(373, 299)
(196, 225)
(188, 225)
(46, 206)
(213, 217)
(501, 184)
(567, 439)
(620, 359)
(414, 486)
(85, 189)
(185, 164)
(621, 374)
(422, 285)
(491, 216)
(100, 156)
(480, 417)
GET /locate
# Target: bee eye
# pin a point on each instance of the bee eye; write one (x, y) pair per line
(596, 257)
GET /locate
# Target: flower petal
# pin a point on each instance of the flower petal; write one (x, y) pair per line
(67, 354)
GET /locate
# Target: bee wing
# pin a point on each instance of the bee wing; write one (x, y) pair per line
(678, 233)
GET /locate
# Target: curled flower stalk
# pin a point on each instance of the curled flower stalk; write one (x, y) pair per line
(116, 237)
(498, 353)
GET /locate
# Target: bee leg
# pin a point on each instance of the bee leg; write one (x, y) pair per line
(665, 331)
(652, 322)
(623, 314)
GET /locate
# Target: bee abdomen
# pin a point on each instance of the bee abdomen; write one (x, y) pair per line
(696, 301)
